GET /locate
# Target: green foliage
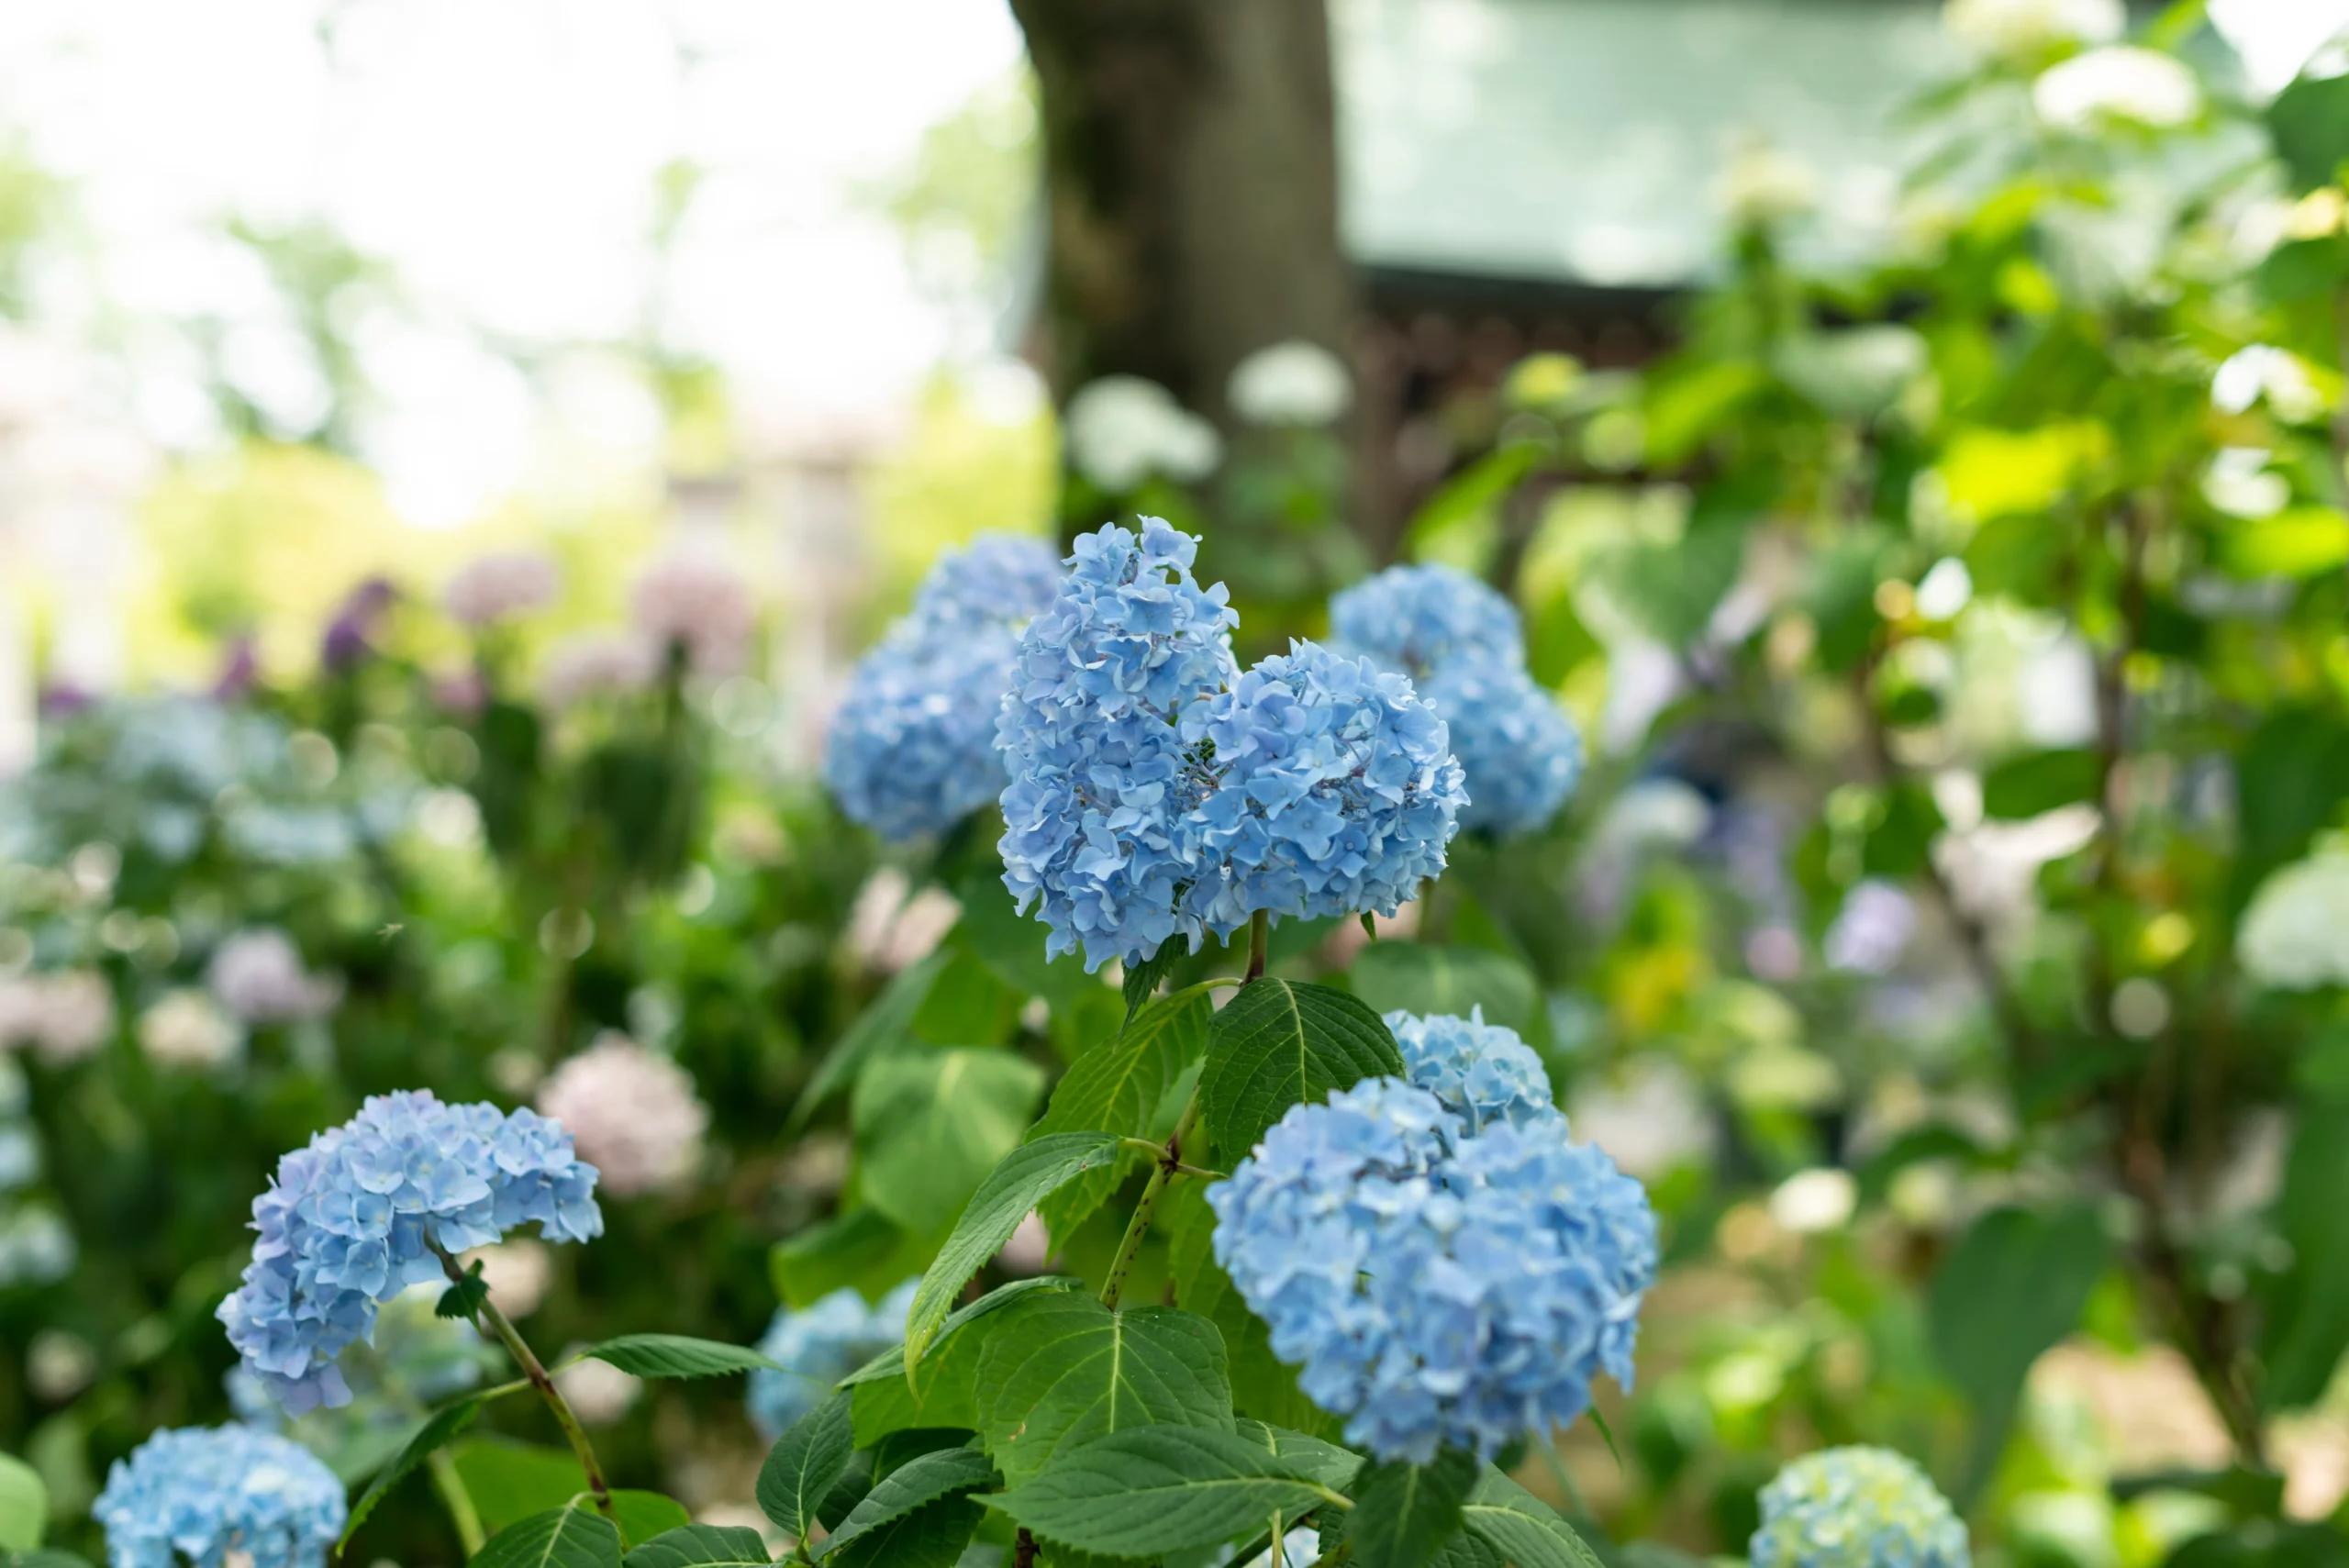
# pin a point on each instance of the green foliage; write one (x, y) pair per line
(1060, 1370)
(675, 1355)
(1278, 1044)
(700, 1546)
(1405, 1513)
(1117, 1088)
(805, 1464)
(1413, 977)
(1153, 1490)
(24, 1505)
(572, 1536)
(943, 1473)
(436, 1432)
(932, 1124)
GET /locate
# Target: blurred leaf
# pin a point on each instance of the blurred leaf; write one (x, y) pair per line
(930, 1124)
(1686, 405)
(2261, 1544)
(2310, 122)
(2248, 1494)
(24, 1505)
(1012, 944)
(861, 1248)
(2303, 269)
(510, 1480)
(1413, 978)
(2038, 782)
(2009, 1289)
(675, 1355)
(886, 1023)
(2305, 1326)
(2300, 542)
(1472, 493)
(1996, 473)
(968, 1003)
(1898, 844)
(435, 1430)
(2290, 779)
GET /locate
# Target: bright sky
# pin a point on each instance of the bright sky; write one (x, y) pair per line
(501, 154)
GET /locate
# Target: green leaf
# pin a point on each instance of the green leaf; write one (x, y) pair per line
(24, 1505)
(1324, 1461)
(1140, 982)
(42, 1557)
(2310, 122)
(463, 1300)
(1521, 1527)
(862, 1249)
(676, 1355)
(886, 1023)
(946, 1472)
(946, 1394)
(1262, 1387)
(1152, 1490)
(435, 1432)
(1279, 1043)
(930, 1537)
(1115, 1088)
(1902, 840)
(2300, 542)
(1059, 1371)
(1404, 1513)
(1012, 945)
(805, 1464)
(572, 1536)
(1023, 1179)
(510, 1480)
(2290, 779)
(930, 1124)
(2010, 1289)
(702, 1546)
(969, 1003)
(2038, 782)
(1411, 977)
(2304, 1329)
(645, 1515)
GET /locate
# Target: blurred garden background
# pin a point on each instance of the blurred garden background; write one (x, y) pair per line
(452, 456)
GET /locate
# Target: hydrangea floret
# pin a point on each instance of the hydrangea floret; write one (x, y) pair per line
(368, 1209)
(819, 1345)
(1856, 1508)
(1465, 646)
(1482, 1072)
(1158, 792)
(1433, 1286)
(204, 1492)
(912, 747)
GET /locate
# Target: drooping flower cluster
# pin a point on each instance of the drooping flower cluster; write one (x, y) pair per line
(697, 603)
(356, 1217)
(1437, 1284)
(63, 1017)
(1856, 1508)
(817, 1346)
(204, 1493)
(911, 749)
(257, 976)
(489, 588)
(1158, 792)
(631, 1112)
(1465, 647)
(1483, 1073)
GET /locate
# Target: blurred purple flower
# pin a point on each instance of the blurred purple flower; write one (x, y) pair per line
(350, 635)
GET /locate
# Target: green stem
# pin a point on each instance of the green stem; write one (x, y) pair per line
(1169, 1162)
(1260, 937)
(457, 1501)
(501, 1326)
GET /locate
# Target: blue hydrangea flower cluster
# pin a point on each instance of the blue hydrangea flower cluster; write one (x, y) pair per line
(1482, 1073)
(354, 1218)
(206, 1491)
(1856, 1508)
(911, 749)
(817, 1346)
(1158, 792)
(1433, 1286)
(1465, 646)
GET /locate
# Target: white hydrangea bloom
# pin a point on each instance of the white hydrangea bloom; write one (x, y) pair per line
(2295, 936)
(2121, 81)
(1760, 185)
(632, 1114)
(64, 1017)
(491, 587)
(259, 976)
(2020, 29)
(1295, 383)
(187, 1028)
(598, 1393)
(517, 1271)
(1121, 430)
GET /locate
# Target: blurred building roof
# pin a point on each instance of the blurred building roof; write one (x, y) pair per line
(1585, 143)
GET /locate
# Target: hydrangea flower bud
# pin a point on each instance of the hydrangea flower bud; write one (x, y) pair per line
(819, 1345)
(1435, 1287)
(1856, 1508)
(357, 1217)
(203, 1493)
(912, 747)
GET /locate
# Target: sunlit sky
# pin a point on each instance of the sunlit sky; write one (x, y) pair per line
(501, 155)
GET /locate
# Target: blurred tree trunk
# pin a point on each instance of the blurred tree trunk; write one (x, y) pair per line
(1191, 159)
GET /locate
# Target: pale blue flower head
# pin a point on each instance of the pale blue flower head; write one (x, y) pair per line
(1520, 752)
(1095, 829)
(819, 1345)
(1482, 1073)
(1434, 1287)
(354, 1218)
(1856, 1508)
(200, 1493)
(1420, 618)
(1336, 790)
(912, 747)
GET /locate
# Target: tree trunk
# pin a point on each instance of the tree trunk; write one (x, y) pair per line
(1191, 156)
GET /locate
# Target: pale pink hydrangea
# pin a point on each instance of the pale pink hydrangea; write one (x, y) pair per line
(594, 665)
(187, 1028)
(489, 588)
(518, 1272)
(257, 976)
(63, 1017)
(631, 1113)
(698, 601)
